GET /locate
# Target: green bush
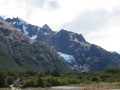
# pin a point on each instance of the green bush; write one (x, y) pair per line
(113, 70)
(54, 78)
(31, 73)
(55, 73)
(94, 79)
(10, 80)
(3, 82)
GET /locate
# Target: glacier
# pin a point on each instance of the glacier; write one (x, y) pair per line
(68, 58)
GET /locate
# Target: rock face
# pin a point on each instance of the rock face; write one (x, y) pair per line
(88, 57)
(19, 52)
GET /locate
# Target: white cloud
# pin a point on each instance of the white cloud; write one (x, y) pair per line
(97, 20)
(108, 38)
(88, 21)
(107, 35)
(25, 8)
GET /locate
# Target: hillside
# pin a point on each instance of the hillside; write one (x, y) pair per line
(19, 53)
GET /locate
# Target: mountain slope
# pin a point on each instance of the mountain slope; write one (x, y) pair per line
(88, 57)
(19, 52)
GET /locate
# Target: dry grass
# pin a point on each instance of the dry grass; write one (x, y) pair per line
(101, 86)
(4, 88)
(93, 86)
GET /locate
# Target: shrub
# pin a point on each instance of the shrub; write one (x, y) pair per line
(94, 79)
(113, 70)
(10, 80)
(3, 82)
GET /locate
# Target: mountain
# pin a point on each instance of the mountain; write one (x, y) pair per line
(18, 52)
(88, 57)
(26, 28)
(77, 52)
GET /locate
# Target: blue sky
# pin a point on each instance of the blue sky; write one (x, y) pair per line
(97, 20)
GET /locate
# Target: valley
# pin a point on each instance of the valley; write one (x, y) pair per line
(59, 45)
(53, 60)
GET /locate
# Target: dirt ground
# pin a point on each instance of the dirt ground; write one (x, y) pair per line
(93, 86)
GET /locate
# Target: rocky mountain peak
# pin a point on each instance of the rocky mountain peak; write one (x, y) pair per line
(71, 35)
(63, 31)
(63, 34)
(47, 29)
(16, 21)
(23, 21)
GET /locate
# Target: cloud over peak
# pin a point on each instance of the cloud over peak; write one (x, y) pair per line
(93, 21)
(97, 20)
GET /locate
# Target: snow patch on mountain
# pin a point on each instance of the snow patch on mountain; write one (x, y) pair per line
(71, 36)
(14, 23)
(25, 31)
(46, 33)
(76, 40)
(20, 23)
(34, 36)
(68, 58)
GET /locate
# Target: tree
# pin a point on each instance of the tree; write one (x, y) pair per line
(3, 80)
(31, 73)
(10, 80)
(55, 73)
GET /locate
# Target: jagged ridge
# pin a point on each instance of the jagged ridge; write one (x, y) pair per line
(89, 57)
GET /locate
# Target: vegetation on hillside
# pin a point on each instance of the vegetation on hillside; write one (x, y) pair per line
(55, 78)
